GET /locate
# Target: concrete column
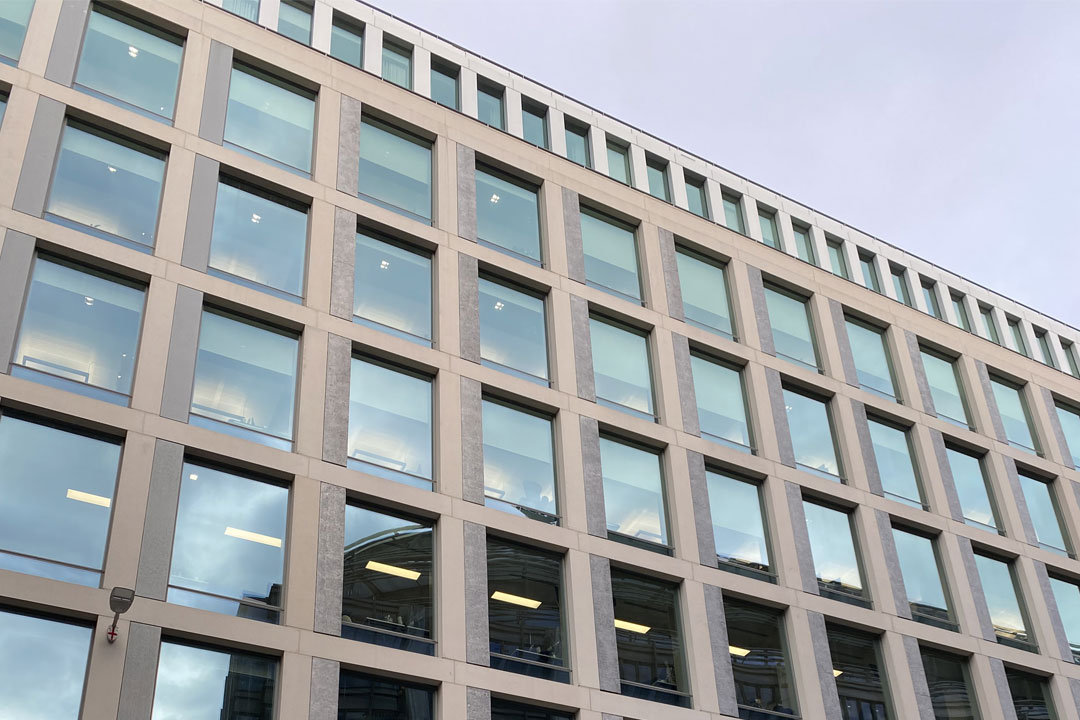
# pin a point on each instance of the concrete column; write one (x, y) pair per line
(677, 180)
(761, 310)
(183, 350)
(477, 648)
(343, 265)
(469, 307)
(607, 653)
(847, 360)
(1020, 502)
(557, 131)
(199, 229)
(671, 274)
(948, 485)
(40, 157)
(140, 672)
(721, 656)
(373, 41)
(597, 150)
(467, 88)
(823, 661)
(216, 93)
(915, 352)
(804, 553)
(472, 443)
(421, 62)
(155, 556)
(322, 19)
(583, 362)
(330, 566)
(779, 417)
(67, 41)
(16, 264)
(684, 372)
(991, 402)
(974, 584)
(477, 704)
(268, 13)
(325, 681)
(575, 254)
(512, 103)
(699, 491)
(466, 191)
(866, 446)
(350, 126)
(639, 168)
(918, 678)
(821, 247)
(336, 408)
(750, 217)
(595, 507)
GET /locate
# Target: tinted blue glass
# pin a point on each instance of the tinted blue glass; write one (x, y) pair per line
(704, 292)
(922, 577)
(294, 21)
(804, 246)
(789, 317)
(395, 169)
(633, 492)
(972, 489)
(833, 548)
(658, 182)
(14, 17)
(618, 163)
(42, 667)
(1067, 598)
(513, 335)
(534, 125)
(1043, 510)
(270, 118)
(720, 401)
(347, 41)
(444, 86)
(695, 198)
(1070, 427)
(621, 367)
(944, 384)
(397, 64)
(1002, 600)
(519, 461)
(577, 145)
(507, 214)
(895, 466)
(1014, 414)
(610, 249)
(769, 235)
(247, 9)
(365, 696)
(489, 106)
(392, 288)
(196, 683)
(738, 521)
(871, 358)
(811, 433)
(733, 217)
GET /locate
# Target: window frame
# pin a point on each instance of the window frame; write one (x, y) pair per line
(811, 325)
(654, 164)
(646, 336)
(403, 50)
(451, 71)
(697, 184)
(950, 622)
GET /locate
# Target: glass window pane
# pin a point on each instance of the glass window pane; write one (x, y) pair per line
(1046, 355)
(759, 660)
(837, 260)
(397, 64)
(870, 351)
(270, 118)
(769, 235)
(1070, 355)
(618, 163)
(577, 145)
(895, 464)
(633, 492)
(720, 401)
(833, 548)
(444, 85)
(611, 261)
(1030, 695)
(973, 489)
(395, 169)
(793, 335)
(247, 9)
(1067, 598)
(1042, 507)
(294, 21)
(960, 311)
(506, 710)
(921, 571)
(129, 61)
(363, 696)
(1070, 427)
(107, 187)
(42, 667)
(738, 522)
(347, 41)
(387, 596)
(651, 662)
(229, 545)
(621, 367)
(811, 433)
(900, 286)
(392, 288)
(695, 198)
(198, 683)
(859, 673)
(949, 685)
(519, 462)
(733, 217)
(989, 325)
(390, 423)
(14, 17)
(1002, 601)
(260, 238)
(1018, 337)
(704, 292)
(58, 489)
(932, 305)
(80, 329)
(944, 380)
(869, 271)
(534, 125)
(804, 246)
(507, 213)
(489, 106)
(513, 334)
(658, 181)
(1014, 414)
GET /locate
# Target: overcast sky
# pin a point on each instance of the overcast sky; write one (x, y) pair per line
(949, 129)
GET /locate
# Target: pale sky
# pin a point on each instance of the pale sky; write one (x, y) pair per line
(948, 129)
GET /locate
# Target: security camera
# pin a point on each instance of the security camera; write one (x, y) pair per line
(120, 600)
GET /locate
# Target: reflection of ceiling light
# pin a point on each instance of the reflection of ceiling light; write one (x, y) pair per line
(632, 627)
(384, 264)
(255, 218)
(494, 198)
(253, 537)
(88, 300)
(133, 51)
(88, 498)
(112, 169)
(515, 599)
(738, 651)
(837, 673)
(192, 476)
(392, 570)
(499, 305)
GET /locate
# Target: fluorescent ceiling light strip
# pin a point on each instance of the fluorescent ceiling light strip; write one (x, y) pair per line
(632, 627)
(515, 599)
(738, 651)
(392, 570)
(837, 673)
(88, 498)
(253, 537)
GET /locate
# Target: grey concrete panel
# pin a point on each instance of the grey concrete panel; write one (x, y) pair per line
(671, 274)
(330, 564)
(718, 640)
(892, 564)
(1056, 429)
(847, 360)
(216, 93)
(469, 307)
(1060, 638)
(761, 310)
(803, 551)
(1074, 685)
(343, 265)
(41, 149)
(942, 456)
(67, 41)
(466, 182)
(823, 662)
(986, 628)
(349, 129)
(325, 679)
(699, 491)
(140, 672)
(918, 678)
(1021, 501)
(866, 445)
(575, 253)
(336, 399)
(991, 401)
(477, 704)
(477, 647)
(595, 507)
(684, 372)
(920, 372)
(607, 653)
(1001, 682)
(583, 362)
(472, 443)
(199, 231)
(152, 580)
(779, 413)
(183, 349)
(16, 261)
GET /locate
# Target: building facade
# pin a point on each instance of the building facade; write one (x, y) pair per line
(397, 385)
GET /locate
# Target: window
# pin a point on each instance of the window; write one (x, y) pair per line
(721, 403)
(933, 307)
(949, 684)
(859, 672)
(658, 178)
(259, 239)
(920, 567)
(519, 462)
(397, 63)
(759, 661)
(577, 143)
(733, 216)
(1045, 514)
(513, 334)
(229, 545)
(506, 710)
(943, 377)
(704, 292)
(392, 288)
(900, 285)
(444, 84)
(201, 682)
(80, 330)
(870, 350)
(769, 234)
(1014, 414)
(837, 260)
(1067, 597)
(648, 639)
(804, 246)
(896, 463)
(14, 17)
(989, 324)
(395, 169)
(525, 626)
(106, 186)
(44, 663)
(387, 596)
(127, 61)
(973, 490)
(832, 544)
(390, 428)
(621, 367)
(1070, 356)
(1030, 695)
(696, 199)
(271, 118)
(869, 271)
(960, 311)
(792, 327)
(294, 21)
(633, 494)
(363, 696)
(245, 379)
(738, 521)
(618, 156)
(489, 105)
(611, 260)
(1007, 614)
(1018, 337)
(508, 214)
(3, 103)
(534, 123)
(54, 521)
(810, 423)
(1069, 418)
(347, 40)
(1046, 355)
(247, 9)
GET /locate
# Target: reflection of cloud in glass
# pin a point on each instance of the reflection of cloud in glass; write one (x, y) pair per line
(190, 683)
(42, 668)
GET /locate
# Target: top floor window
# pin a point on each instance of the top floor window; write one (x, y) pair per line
(696, 199)
(534, 123)
(611, 259)
(769, 234)
(658, 178)
(577, 143)
(869, 271)
(395, 169)
(1018, 337)
(14, 17)
(444, 84)
(733, 216)
(347, 40)
(247, 9)
(900, 285)
(933, 307)
(837, 260)
(490, 104)
(960, 311)
(804, 245)
(397, 63)
(1046, 355)
(618, 156)
(508, 213)
(1070, 357)
(989, 324)
(270, 117)
(294, 20)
